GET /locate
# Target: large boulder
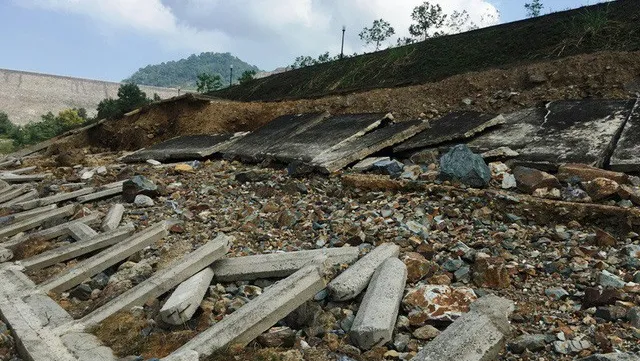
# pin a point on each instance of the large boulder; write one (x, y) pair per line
(461, 164)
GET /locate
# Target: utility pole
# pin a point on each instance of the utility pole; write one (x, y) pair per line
(231, 76)
(344, 28)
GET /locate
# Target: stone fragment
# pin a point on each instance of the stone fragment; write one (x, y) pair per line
(278, 337)
(491, 273)
(605, 239)
(388, 167)
(143, 201)
(574, 173)
(418, 267)
(617, 356)
(571, 346)
(436, 303)
(81, 292)
(607, 279)
(426, 332)
(5, 255)
(594, 297)
(533, 343)
(461, 164)
(601, 188)
(631, 193)
(138, 185)
(556, 293)
(367, 163)
(530, 179)
(184, 168)
(186, 298)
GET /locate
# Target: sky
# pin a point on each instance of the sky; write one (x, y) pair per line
(111, 39)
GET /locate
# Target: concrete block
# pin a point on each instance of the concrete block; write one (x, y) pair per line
(12, 193)
(86, 346)
(186, 298)
(162, 281)
(378, 312)
(105, 259)
(73, 250)
(55, 231)
(23, 170)
(113, 218)
(36, 221)
(81, 232)
(20, 178)
(257, 316)
(355, 279)
(184, 147)
(61, 197)
(479, 335)
(33, 212)
(107, 193)
(30, 195)
(277, 265)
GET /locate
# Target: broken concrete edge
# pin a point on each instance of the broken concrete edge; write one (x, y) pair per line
(277, 265)
(105, 259)
(479, 335)
(261, 313)
(626, 147)
(113, 217)
(186, 298)
(355, 279)
(543, 211)
(378, 312)
(161, 282)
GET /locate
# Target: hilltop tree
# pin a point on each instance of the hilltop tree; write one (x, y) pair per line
(534, 8)
(208, 82)
(460, 21)
(247, 76)
(427, 17)
(377, 33)
(130, 97)
(5, 124)
(70, 118)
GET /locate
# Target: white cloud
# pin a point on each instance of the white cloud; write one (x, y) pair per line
(268, 33)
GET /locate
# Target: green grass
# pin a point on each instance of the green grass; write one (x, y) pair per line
(611, 26)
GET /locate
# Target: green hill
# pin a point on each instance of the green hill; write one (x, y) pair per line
(183, 73)
(613, 26)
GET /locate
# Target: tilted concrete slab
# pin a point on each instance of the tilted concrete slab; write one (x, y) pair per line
(456, 126)
(61, 197)
(113, 218)
(254, 146)
(186, 298)
(361, 147)
(185, 148)
(261, 313)
(378, 312)
(277, 265)
(30, 195)
(162, 281)
(355, 279)
(105, 259)
(576, 131)
(31, 223)
(479, 335)
(626, 156)
(73, 250)
(107, 193)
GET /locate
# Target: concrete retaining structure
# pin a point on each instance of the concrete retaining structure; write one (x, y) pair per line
(355, 279)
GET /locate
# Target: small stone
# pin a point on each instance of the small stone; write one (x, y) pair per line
(87, 175)
(570, 347)
(418, 267)
(509, 181)
(138, 185)
(143, 201)
(99, 281)
(278, 337)
(604, 239)
(437, 303)
(633, 316)
(611, 313)
(401, 341)
(557, 293)
(102, 170)
(81, 292)
(153, 162)
(491, 273)
(367, 163)
(530, 179)
(500, 153)
(184, 168)
(426, 332)
(388, 167)
(594, 297)
(607, 279)
(532, 343)
(601, 188)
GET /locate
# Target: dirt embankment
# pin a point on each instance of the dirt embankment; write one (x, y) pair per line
(600, 75)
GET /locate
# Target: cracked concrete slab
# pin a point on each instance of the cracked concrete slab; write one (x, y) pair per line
(187, 147)
(626, 156)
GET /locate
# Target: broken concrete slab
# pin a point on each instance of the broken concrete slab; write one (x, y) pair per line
(355, 279)
(479, 335)
(277, 265)
(161, 282)
(378, 312)
(356, 148)
(107, 193)
(105, 259)
(73, 250)
(575, 173)
(61, 197)
(261, 313)
(187, 147)
(185, 300)
(254, 146)
(568, 131)
(30, 223)
(81, 232)
(30, 195)
(453, 126)
(113, 217)
(626, 156)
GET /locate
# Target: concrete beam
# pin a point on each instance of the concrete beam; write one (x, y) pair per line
(22, 178)
(30, 195)
(355, 279)
(277, 265)
(12, 193)
(60, 197)
(55, 231)
(378, 312)
(257, 316)
(23, 170)
(81, 232)
(107, 193)
(113, 218)
(186, 299)
(31, 223)
(105, 259)
(162, 281)
(33, 212)
(86, 346)
(73, 250)
(479, 335)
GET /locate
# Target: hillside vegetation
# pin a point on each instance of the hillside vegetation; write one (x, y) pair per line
(184, 73)
(611, 26)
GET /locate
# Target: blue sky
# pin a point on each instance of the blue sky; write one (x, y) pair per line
(111, 39)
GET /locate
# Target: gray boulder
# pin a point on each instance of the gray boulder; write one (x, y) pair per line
(461, 164)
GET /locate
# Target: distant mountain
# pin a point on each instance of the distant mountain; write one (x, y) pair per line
(183, 73)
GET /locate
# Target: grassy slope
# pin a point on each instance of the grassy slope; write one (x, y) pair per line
(608, 26)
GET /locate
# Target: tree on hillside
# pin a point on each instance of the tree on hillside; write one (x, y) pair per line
(534, 8)
(5, 124)
(207, 82)
(377, 33)
(247, 76)
(428, 19)
(70, 118)
(460, 22)
(130, 97)
(405, 41)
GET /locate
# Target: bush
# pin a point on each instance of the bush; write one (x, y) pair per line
(50, 126)
(130, 97)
